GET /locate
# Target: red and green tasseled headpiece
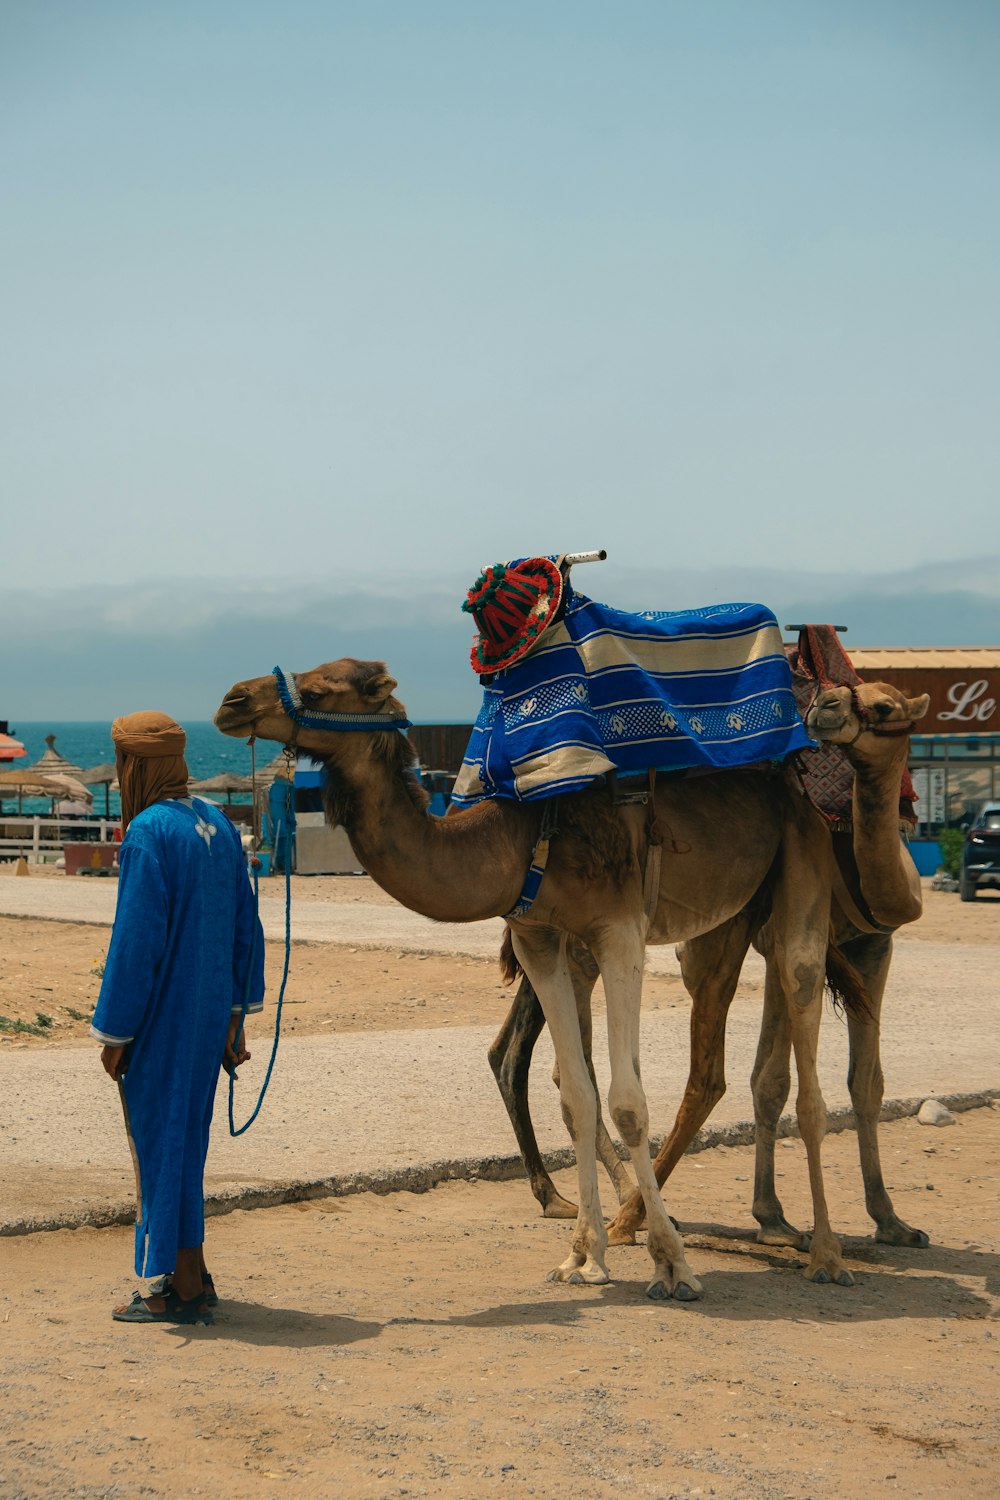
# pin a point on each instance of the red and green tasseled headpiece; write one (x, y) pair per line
(512, 604)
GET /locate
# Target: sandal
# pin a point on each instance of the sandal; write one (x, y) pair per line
(163, 1284)
(176, 1310)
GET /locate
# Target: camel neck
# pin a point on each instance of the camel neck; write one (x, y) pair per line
(462, 868)
(887, 876)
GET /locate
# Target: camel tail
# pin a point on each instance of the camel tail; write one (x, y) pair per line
(510, 969)
(845, 985)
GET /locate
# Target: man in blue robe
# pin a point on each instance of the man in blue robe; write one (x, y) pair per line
(186, 958)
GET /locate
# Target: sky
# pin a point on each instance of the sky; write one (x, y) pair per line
(310, 310)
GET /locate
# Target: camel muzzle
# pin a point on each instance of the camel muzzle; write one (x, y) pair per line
(227, 715)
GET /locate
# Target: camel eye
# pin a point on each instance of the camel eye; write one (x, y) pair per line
(311, 696)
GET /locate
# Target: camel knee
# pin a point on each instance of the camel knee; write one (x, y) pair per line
(631, 1117)
(713, 1092)
(498, 1057)
(810, 1113)
(510, 1072)
(770, 1090)
(579, 1114)
(865, 1079)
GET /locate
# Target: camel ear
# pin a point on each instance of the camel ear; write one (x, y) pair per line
(380, 686)
(917, 707)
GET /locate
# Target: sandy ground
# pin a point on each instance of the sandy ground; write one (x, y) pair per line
(411, 1345)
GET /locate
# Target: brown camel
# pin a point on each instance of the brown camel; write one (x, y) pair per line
(472, 865)
(876, 889)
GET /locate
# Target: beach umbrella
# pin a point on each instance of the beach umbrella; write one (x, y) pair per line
(226, 781)
(23, 784)
(103, 775)
(52, 763)
(10, 748)
(72, 810)
(30, 783)
(277, 769)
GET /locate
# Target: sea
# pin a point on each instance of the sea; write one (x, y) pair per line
(89, 744)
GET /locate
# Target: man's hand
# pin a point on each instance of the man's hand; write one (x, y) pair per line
(236, 1047)
(111, 1061)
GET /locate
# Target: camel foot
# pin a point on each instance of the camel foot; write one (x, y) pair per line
(822, 1277)
(898, 1233)
(660, 1290)
(590, 1273)
(780, 1232)
(825, 1276)
(558, 1207)
(620, 1235)
(622, 1231)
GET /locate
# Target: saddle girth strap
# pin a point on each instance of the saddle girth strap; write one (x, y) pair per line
(654, 853)
(539, 860)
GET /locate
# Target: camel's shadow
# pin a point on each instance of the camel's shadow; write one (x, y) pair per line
(730, 1295)
(950, 1260)
(879, 1270)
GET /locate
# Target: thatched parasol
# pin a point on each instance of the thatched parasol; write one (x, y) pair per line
(102, 775)
(277, 769)
(226, 781)
(32, 784)
(52, 763)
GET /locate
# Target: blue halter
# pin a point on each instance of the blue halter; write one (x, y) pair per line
(305, 718)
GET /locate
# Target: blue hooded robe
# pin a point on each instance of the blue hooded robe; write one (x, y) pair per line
(186, 951)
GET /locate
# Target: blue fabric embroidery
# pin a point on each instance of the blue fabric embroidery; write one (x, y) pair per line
(606, 690)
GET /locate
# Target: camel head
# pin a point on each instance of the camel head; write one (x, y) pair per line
(255, 707)
(842, 715)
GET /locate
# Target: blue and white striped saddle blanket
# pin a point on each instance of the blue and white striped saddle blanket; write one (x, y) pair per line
(609, 691)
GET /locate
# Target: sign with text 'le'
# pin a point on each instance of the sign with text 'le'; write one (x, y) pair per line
(962, 701)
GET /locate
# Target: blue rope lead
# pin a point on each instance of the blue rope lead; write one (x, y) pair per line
(281, 993)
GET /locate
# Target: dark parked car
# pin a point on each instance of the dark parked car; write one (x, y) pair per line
(981, 852)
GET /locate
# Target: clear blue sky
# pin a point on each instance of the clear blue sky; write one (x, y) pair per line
(327, 289)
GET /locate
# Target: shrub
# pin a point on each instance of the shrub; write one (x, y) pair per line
(951, 841)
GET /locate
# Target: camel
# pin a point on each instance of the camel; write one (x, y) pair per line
(472, 865)
(876, 889)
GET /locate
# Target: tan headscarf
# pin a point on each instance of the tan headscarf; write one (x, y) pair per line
(149, 751)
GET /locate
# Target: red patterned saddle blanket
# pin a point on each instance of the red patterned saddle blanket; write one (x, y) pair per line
(820, 661)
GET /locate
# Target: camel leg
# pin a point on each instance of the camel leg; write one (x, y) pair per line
(872, 954)
(510, 1059)
(583, 972)
(800, 939)
(770, 1083)
(710, 965)
(621, 967)
(541, 952)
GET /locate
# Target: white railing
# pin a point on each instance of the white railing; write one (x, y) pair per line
(37, 836)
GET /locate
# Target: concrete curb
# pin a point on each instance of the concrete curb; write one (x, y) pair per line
(420, 1179)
